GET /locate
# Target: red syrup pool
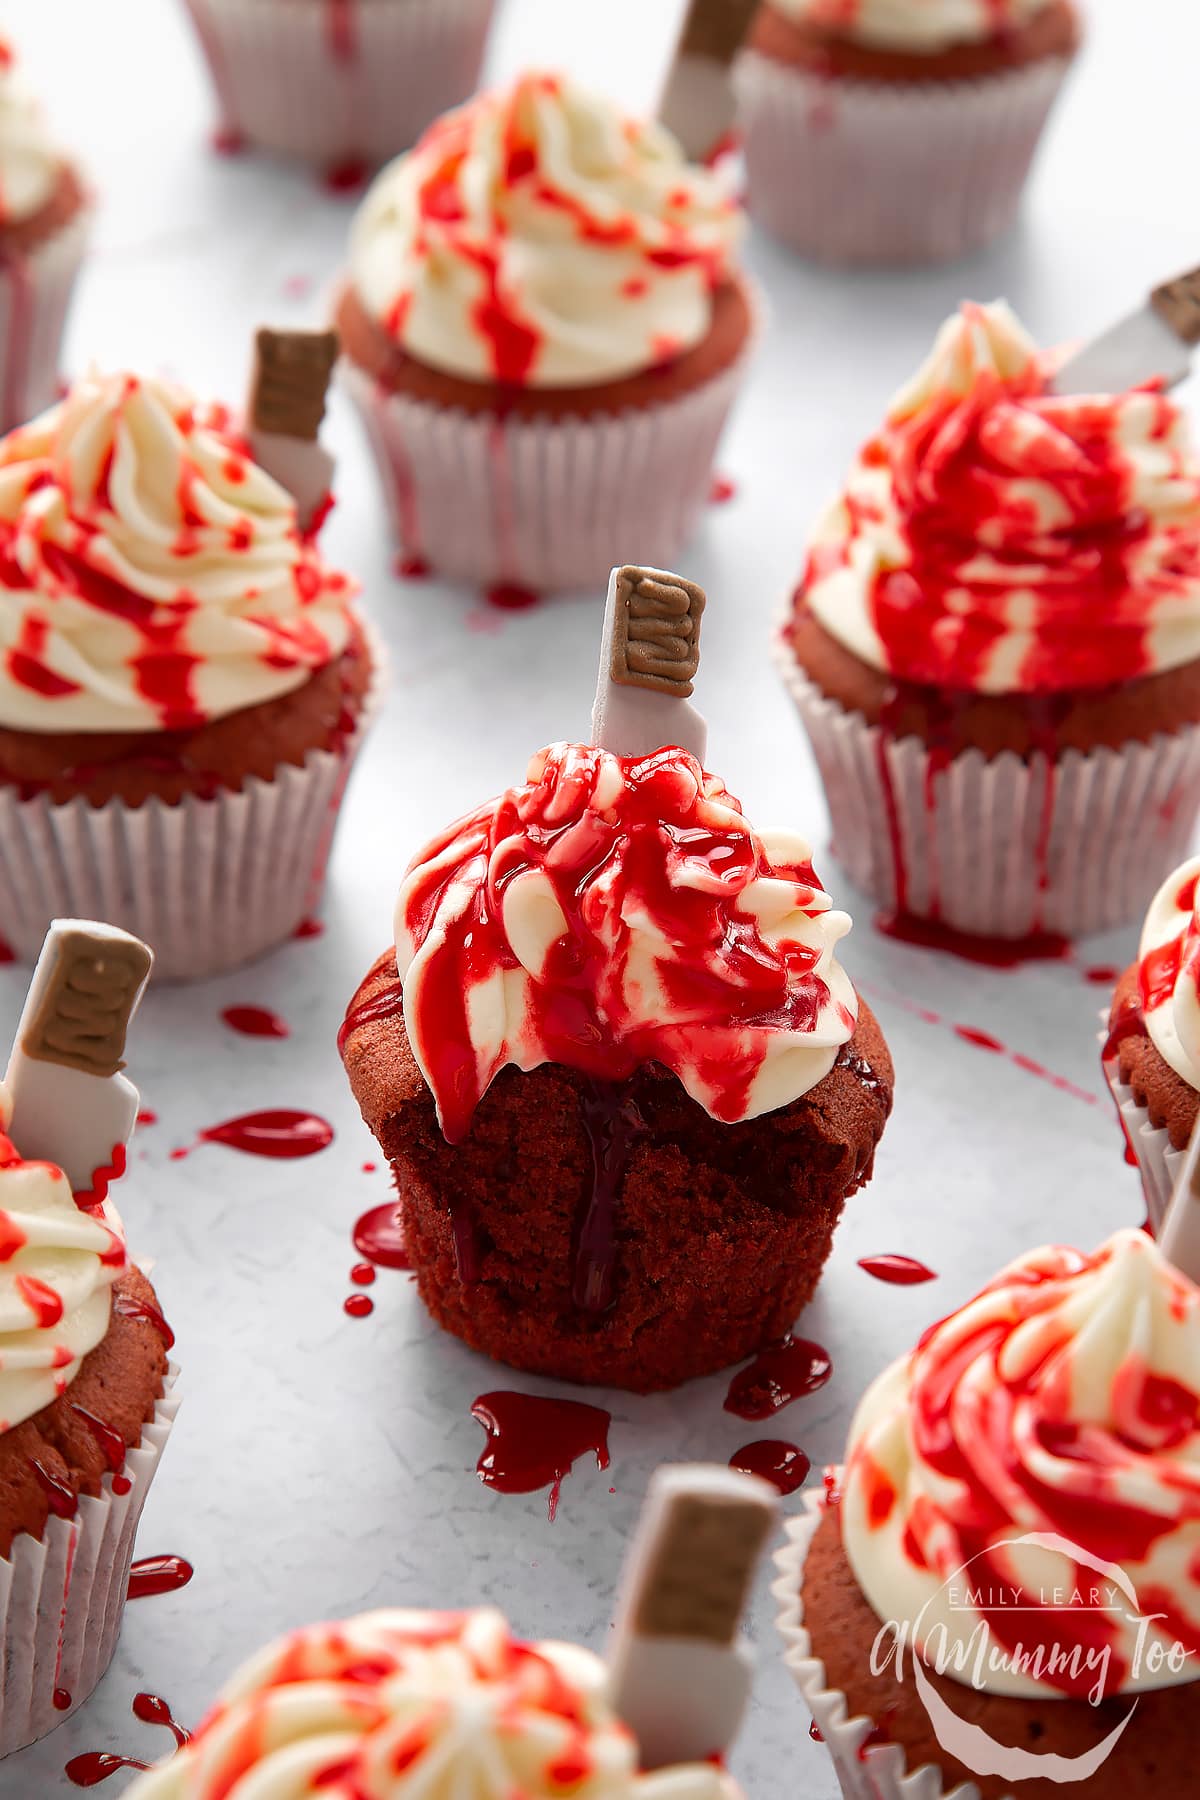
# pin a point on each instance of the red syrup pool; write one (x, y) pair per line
(158, 1575)
(986, 952)
(95, 1766)
(1102, 975)
(379, 1237)
(7, 953)
(309, 928)
(900, 1271)
(279, 1133)
(776, 1377)
(784, 1465)
(256, 1021)
(413, 568)
(506, 596)
(533, 1442)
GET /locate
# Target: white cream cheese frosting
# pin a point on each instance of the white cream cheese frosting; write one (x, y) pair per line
(30, 161)
(923, 26)
(1169, 971)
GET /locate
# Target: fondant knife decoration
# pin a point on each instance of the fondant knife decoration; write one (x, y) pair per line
(680, 1670)
(697, 105)
(649, 656)
(283, 415)
(71, 1105)
(1155, 343)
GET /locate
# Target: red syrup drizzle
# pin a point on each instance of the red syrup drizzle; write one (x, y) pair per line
(95, 1766)
(533, 1442)
(379, 1237)
(614, 1124)
(413, 568)
(509, 596)
(256, 1021)
(155, 1575)
(7, 953)
(985, 952)
(900, 1271)
(309, 928)
(110, 1440)
(90, 1199)
(129, 1308)
(776, 1377)
(342, 29)
(280, 1134)
(983, 1040)
(388, 1003)
(784, 1465)
(60, 1499)
(722, 490)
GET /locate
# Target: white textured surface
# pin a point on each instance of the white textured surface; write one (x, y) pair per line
(321, 1463)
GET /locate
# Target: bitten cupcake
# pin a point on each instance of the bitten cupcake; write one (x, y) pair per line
(995, 646)
(1001, 1589)
(897, 130)
(185, 683)
(43, 234)
(409, 1704)
(544, 329)
(340, 83)
(623, 1082)
(86, 1402)
(1151, 1051)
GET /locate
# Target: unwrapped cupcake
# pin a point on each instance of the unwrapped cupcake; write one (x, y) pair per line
(43, 233)
(623, 1081)
(1152, 1045)
(86, 1400)
(341, 83)
(1000, 1593)
(897, 130)
(544, 328)
(185, 682)
(995, 646)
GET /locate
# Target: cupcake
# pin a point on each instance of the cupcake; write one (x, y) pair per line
(340, 83)
(1000, 1593)
(185, 681)
(1151, 1053)
(995, 646)
(43, 233)
(86, 1401)
(412, 1703)
(544, 330)
(897, 130)
(622, 1080)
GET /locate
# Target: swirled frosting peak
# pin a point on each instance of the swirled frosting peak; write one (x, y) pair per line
(1169, 971)
(418, 1706)
(58, 1264)
(616, 911)
(1028, 1479)
(997, 537)
(29, 159)
(152, 576)
(921, 26)
(537, 236)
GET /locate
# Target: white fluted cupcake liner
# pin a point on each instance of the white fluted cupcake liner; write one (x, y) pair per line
(62, 1596)
(209, 883)
(883, 1773)
(35, 293)
(338, 81)
(857, 171)
(1158, 1163)
(997, 846)
(544, 503)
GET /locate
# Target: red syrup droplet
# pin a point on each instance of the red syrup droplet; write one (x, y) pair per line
(363, 1274)
(814, 1732)
(95, 1766)
(368, 1168)
(1102, 975)
(7, 953)
(831, 1482)
(721, 491)
(506, 596)
(776, 1377)
(784, 1465)
(900, 1271)
(413, 568)
(146, 1117)
(534, 1443)
(278, 1133)
(62, 1700)
(151, 1710)
(379, 1236)
(227, 140)
(981, 1040)
(122, 1485)
(256, 1021)
(129, 1308)
(347, 177)
(309, 928)
(158, 1575)
(985, 952)
(359, 1306)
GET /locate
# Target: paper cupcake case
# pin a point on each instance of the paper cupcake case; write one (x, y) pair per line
(855, 171)
(35, 293)
(338, 80)
(62, 1596)
(209, 883)
(544, 503)
(1158, 1163)
(1000, 847)
(883, 1773)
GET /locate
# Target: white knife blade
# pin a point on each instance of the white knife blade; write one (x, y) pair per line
(1154, 343)
(697, 105)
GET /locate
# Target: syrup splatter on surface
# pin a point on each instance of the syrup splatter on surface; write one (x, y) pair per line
(777, 1376)
(533, 1442)
(784, 1465)
(158, 1575)
(256, 1022)
(900, 1271)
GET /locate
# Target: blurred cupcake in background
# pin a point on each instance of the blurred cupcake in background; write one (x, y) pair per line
(897, 130)
(340, 83)
(185, 681)
(43, 235)
(545, 328)
(995, 646)
(1151, 1051)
